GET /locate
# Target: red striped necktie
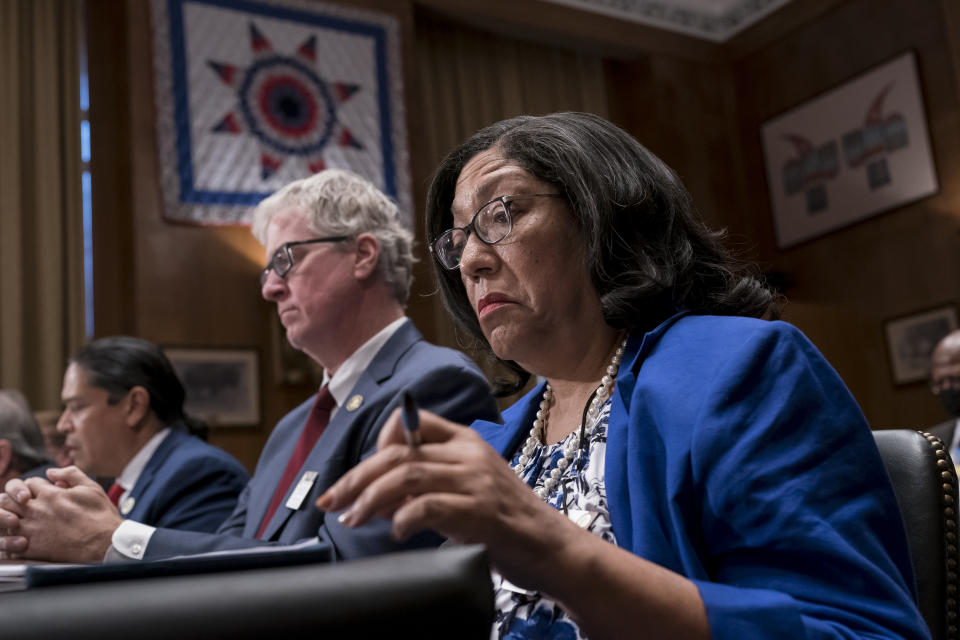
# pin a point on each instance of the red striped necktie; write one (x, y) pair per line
(316, 424)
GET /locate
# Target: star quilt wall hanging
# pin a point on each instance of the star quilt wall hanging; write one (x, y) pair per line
(253, 95)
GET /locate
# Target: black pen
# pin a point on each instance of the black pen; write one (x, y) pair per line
(411, 420)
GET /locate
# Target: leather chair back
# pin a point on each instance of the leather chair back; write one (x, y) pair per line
(925, 483)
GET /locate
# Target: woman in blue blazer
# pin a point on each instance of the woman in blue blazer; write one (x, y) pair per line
(688, 468)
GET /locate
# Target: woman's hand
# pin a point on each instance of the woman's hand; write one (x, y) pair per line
(457, 485)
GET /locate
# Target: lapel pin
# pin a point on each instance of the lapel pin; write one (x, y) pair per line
(354, 402)
(127, 505)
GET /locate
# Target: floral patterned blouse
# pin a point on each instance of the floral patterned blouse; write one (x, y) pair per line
(582, 495)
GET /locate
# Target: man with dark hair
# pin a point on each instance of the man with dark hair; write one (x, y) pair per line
(338, 268)
(123, 418)
(21, 443)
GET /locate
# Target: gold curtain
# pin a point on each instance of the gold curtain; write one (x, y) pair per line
(469, 78)
(41, 224)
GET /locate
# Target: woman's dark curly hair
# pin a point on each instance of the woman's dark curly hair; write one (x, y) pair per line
(649, 253)
(117, 364)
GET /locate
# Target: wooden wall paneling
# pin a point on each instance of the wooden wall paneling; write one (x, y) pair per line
(849, 282)
(951, 22)
(950, 120)
(682, 110)
(439, 106)
(438, 109)
(423, 307)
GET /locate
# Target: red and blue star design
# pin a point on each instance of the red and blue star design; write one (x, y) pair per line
(285, 104)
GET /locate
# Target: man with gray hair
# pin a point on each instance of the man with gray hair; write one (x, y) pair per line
(21, 443)
(338, 268)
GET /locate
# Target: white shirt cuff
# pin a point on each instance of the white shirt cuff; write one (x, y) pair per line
(131, 539)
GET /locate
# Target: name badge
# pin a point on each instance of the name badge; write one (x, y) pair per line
(302, 489)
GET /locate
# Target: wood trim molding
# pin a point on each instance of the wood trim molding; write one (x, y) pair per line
(560, 25)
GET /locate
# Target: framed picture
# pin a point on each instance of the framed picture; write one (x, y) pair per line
(290, 367)
(222, 385)
(851, 153)
(911, 340)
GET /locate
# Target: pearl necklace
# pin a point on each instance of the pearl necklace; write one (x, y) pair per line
(538, 431)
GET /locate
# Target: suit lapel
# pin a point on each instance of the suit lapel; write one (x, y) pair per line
(272, 467)
(145, 480)
(385, 363)
(322, 459)
(326, 457)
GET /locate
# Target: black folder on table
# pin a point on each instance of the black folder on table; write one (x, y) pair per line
(421, 595)
(46, 575)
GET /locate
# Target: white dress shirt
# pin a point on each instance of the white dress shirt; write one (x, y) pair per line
(131, 473)
(130, 539)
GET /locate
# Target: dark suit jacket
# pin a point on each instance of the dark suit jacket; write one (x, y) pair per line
(443, 381)
(944, 431)
(187, 484)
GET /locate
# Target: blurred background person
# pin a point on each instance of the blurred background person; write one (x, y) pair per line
(21, 443)
(945, 384)
(53, 441)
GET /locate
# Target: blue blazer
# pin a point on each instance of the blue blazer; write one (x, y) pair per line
(736, 457)
(442, 380)
(187, 484)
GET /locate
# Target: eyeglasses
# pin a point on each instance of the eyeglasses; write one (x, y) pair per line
(282, 260)
(492, 223)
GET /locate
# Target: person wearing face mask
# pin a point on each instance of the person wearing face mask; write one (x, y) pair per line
(945, 383)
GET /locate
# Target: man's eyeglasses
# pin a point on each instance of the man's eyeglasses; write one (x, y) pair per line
(282, 260)
(492, 223)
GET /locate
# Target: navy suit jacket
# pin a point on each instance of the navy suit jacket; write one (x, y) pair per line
(944, 431)
(187, 484)
(443, 381)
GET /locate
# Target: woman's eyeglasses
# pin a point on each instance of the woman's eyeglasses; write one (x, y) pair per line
(492, 223)
(282, 260)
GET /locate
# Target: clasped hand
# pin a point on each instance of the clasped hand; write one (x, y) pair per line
(66, 519)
